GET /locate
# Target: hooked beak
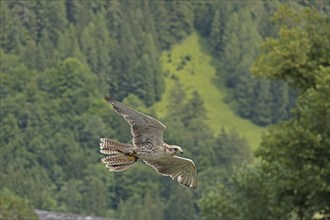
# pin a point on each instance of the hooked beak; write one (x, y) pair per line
(181, 151)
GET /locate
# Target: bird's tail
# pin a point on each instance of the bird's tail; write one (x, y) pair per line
(120, 155)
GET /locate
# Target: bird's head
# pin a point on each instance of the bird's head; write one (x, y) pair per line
(173, 149)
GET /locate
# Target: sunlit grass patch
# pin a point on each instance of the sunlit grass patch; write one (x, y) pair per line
(190, 64)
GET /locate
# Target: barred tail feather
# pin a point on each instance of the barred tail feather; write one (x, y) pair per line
(108, 146)
(119, 162)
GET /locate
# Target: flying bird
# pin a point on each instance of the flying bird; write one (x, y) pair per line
(147, 145)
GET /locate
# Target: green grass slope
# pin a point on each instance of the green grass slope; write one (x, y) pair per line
(191, 65)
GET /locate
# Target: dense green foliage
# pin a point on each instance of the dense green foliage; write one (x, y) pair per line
(291, 179)
(236, 43)
(59, 58)
(94, 33)
(15, 208)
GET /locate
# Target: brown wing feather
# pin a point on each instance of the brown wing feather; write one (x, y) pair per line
(181, 169)
(143, 127)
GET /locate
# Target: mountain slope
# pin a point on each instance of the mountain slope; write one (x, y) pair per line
(190, 63)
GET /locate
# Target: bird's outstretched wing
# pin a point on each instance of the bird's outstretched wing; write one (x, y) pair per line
(180, 169)
(143, 127)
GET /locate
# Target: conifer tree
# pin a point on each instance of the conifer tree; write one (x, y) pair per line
(184, 199)
(216, 35)
(262, 112)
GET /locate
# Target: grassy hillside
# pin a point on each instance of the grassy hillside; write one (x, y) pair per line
(190, 63)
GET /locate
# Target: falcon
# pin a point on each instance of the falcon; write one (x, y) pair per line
(147, 145)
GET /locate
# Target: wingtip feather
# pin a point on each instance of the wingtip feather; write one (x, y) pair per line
(109, 99)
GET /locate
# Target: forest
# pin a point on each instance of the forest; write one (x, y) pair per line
(242, 86)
